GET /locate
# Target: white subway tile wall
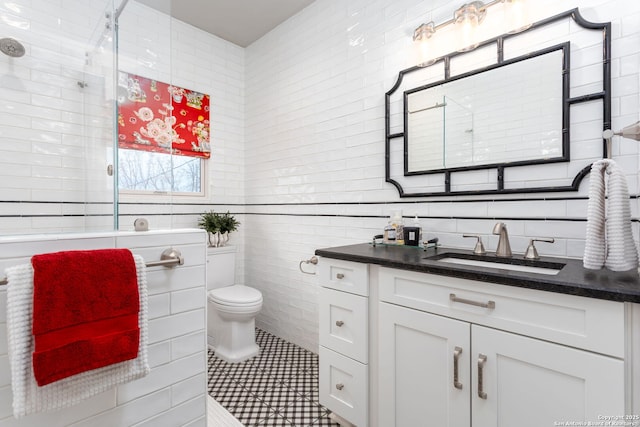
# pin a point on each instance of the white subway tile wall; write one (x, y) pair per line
(154, 45)
(174, 392)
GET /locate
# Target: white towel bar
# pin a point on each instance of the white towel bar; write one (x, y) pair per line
(169, 258)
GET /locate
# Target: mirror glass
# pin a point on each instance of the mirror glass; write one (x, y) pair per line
(509, 113)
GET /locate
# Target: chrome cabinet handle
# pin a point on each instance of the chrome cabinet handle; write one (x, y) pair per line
(489, 304)
(456, 356)
(339, 323)
(339, 386)
(340, 276)
(482, 359)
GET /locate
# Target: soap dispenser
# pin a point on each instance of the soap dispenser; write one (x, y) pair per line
(398, 223)
(389, 236)
(416, 223)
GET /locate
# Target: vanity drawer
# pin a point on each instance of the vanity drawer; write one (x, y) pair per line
(344, 323)
(344, 386)
(345, 276)
(587, 323)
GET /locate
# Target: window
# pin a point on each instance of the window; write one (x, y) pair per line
(149, 171)
(163, 136)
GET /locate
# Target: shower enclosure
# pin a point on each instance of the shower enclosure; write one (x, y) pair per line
(59, 63)
(441, 130)
(56, 131)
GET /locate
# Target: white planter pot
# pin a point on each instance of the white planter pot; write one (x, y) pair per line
(217, 240)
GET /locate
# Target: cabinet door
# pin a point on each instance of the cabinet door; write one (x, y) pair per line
(533, 383)
(418, 355)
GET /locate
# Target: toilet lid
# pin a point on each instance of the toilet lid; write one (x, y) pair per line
(235, 295)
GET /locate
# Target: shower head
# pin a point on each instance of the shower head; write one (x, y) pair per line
(11, 47)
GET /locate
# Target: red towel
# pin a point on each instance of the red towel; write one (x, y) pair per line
(85, 311)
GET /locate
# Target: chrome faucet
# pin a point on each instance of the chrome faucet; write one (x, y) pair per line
(504, 248)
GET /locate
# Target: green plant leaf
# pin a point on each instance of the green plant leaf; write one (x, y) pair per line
(214, 222)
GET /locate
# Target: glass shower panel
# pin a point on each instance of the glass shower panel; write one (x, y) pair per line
(99, 117)
(55, 124)
(458, 135)
(146, 175)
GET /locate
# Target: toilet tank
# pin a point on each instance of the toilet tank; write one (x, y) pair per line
(221, 267)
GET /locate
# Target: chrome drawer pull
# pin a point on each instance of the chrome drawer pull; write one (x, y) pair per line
(339, 323)
(482, 359)
(340, 386)
(456, 356)
(489, 304)
(340, 276)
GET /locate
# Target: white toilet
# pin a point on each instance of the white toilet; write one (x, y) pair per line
(231, 308)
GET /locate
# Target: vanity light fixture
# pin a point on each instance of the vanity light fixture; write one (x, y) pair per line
(516, 13)
(467, 17)
(629, 132)
(422, 37)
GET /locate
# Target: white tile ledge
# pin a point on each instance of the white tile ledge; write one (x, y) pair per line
(95, 235)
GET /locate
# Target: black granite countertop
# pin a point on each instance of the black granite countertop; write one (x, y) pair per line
(572, 279)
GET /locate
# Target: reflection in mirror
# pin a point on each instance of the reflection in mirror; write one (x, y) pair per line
(508, 113)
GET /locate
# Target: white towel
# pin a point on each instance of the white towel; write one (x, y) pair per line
(28, 398)
(594, 250)
(609, 243)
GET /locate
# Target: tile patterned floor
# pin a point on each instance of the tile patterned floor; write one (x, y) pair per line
(279, 387)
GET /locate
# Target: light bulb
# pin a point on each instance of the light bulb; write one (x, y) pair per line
(467, 18)
(517, 15)
(422, 39)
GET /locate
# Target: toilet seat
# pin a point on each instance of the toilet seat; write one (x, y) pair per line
(235, 296)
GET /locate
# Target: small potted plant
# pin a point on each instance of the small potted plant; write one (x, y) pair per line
(218, 227)
(209, 221)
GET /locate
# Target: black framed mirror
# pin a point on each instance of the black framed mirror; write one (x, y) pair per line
(453, 129)
(509, 113)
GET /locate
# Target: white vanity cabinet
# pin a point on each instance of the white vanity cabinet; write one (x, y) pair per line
(401, 348)
(455, 352)
(344, 342)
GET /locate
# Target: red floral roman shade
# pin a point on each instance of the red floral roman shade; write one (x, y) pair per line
(155, 116)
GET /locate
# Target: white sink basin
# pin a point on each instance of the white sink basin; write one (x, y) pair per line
(502, 266)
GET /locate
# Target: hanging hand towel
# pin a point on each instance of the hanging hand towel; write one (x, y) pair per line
(28, 397)
(622, 253)
(85, 311)
(594, 250)
(609, 243)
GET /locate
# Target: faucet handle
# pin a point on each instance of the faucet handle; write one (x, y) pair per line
(532, 252)
(479, 249)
